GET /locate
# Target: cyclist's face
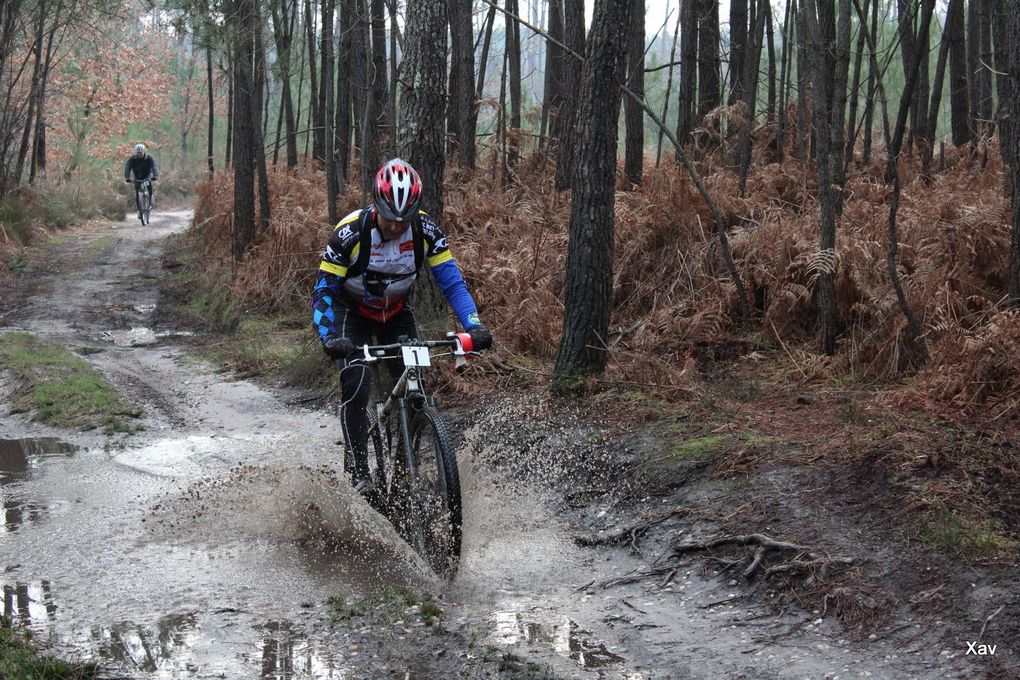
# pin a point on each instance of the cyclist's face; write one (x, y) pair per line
(391, 229)
(139, 154)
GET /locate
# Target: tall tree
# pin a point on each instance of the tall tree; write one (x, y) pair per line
(892, 176)
(687, 93)
(738, 49)
(346, 82)
(242, 24)
(1014, 141)
(634, 117)
(552, 96)
(563, 124)
(709, 70)
(958, 76)
(422, 113)
(513, 51)
(326, 109)
(282, 28)
(380, 92)
(1003, 89)
(750, 89)
(462, 82)
(812, 15)
(588, 286)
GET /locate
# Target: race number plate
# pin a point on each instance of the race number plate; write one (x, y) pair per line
(416, 356)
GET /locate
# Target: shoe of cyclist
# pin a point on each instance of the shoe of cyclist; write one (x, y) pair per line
(364, 487)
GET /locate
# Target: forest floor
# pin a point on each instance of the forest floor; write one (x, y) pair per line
(213, 536)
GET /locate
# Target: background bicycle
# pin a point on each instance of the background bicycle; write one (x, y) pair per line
(143, 198)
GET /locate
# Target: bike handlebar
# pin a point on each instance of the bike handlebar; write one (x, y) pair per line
(460, 342)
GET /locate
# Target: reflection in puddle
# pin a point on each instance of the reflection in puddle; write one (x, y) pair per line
(167, 647)
(286, 655)
(29, 602)
(18, 457)
(146, 648)
(564, 637)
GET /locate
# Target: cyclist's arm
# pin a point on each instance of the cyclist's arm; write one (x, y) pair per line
(336, 258)
(127, 170)
(447, 274)
(155, 170)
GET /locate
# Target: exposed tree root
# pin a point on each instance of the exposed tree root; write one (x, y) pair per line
(798, 560)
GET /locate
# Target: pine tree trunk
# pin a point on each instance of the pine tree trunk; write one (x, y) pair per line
(821, 61)
(421, 143)
(361, 86)
(841, 68)
(1014, 141)
(483, 62)
(552, 97)
(462, 82)
(709, 78)
(770, 107)
(749, 88)
(315, 102)
(260, 146)
(513, 49)
(855, 85)
(1003, 88)
(326, 110)
(243, 25)
(346, 77)
(634, 117)
(563, 124)
(669, 77)
(892, 176)
(588, 286)
(211, 123)
(958, 74)
(383, 126)
(371, 126)
(738, 47)
(785, 60)
(688, 90)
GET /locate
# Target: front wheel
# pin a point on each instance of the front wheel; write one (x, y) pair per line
(435, 494)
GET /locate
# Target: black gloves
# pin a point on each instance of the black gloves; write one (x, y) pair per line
(481, 338)
(338, 348)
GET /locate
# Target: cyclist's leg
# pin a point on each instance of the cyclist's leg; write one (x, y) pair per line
(355, 388)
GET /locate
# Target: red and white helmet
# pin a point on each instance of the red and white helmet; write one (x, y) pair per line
(397, 191)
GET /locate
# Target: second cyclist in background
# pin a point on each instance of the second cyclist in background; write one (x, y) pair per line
(140, 167)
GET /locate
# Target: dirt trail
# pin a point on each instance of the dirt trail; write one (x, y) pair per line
(206, 545)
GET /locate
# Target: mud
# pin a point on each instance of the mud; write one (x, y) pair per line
(220, 539)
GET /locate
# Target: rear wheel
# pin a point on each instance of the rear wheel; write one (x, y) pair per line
(435, 503)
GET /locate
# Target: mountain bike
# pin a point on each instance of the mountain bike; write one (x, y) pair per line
(143, 198)
(411, 458)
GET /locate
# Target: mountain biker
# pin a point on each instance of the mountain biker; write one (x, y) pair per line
(142, 166)
(366, 276)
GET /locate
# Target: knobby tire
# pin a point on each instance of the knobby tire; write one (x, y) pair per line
(435, 507)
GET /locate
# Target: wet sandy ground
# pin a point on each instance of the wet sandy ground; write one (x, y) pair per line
(206, 545)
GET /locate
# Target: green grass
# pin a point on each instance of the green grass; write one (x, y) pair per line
(19, 660)
(387, 606)
(957, 535)
(60, 387)
(700, 447)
